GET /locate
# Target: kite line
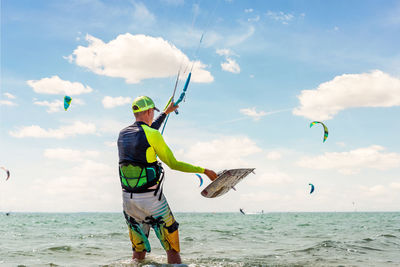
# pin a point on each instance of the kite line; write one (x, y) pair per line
(182, 96)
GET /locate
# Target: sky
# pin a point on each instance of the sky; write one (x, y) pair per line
(262, 71)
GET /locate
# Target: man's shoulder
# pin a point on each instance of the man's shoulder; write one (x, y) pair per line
(128, 128)
(151, 132)
(149, 129)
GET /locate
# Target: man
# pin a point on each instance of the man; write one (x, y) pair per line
(141, 177)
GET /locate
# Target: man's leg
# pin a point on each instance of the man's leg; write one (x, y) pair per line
(173, 257)
(138, 234)
(166, 229)
(139, 255)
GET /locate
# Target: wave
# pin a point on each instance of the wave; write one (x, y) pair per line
(304, 224)
(368, 239)
(389, 235)
(336, 245)
(60, 248)
(101, 235)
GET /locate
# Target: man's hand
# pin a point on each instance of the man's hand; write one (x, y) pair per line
(170, 108)
(211, 174)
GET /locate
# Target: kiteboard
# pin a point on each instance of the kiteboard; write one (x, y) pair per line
(226, 180)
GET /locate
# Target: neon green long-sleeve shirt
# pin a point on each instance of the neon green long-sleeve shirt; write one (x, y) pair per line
(142, 144)
(160, 148)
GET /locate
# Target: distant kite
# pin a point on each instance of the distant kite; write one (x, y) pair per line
(201, 179)
(7, 171)
(67, 102)
(312, 188)
(325, 128)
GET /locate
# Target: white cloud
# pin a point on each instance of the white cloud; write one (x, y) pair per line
(254, 19)
(240, 38)
(54, 85)
(224, 52)
(341, 144)
(78, 188)
(142, 15)
(57, 105)
(280, 16)
(135, 58)
(251, 112)
(7, 103)
(111, 144)
(224, 152)
(353, 161)
(54, 106)
(110, 126)
(274, 155)
(395, 185)
(231, 66)
(264, 197)
(267, 178)
(374, 89)
(174, 2)
(248, 10)
(231, 38)
(376, 190)
(9, 96)
(66, 154)
(73, 129)
(195, 11)
(392, 17)
(112, 102)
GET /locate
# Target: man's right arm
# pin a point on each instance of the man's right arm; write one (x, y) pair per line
(160, 119)
(156, 140)
(157, 122)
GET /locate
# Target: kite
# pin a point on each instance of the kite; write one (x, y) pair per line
(312, 188)
(67, 102)
(7, 171)
(325, 128)
(201, 179)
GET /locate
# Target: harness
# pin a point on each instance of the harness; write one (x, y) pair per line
(138, 178)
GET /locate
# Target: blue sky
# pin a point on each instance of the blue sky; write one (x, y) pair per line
(263, 72)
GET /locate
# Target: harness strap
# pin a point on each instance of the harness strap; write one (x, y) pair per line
(160, 185)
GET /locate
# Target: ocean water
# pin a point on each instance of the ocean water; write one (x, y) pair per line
(207, 239)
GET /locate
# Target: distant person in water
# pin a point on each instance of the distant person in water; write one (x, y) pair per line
(141, 177)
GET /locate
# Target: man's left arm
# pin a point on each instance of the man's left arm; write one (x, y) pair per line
(166, 155)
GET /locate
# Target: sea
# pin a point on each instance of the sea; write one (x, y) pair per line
(206, 239)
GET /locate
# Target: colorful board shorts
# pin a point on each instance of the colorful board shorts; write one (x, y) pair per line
(144, 210)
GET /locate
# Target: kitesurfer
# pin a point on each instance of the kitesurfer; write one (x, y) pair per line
(141, 176)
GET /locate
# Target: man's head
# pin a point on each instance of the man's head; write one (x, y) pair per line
(143, 103)
(143, 109)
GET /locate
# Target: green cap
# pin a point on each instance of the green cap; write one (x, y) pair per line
(143, 103)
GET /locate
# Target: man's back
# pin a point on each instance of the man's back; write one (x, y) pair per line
(133, 144)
